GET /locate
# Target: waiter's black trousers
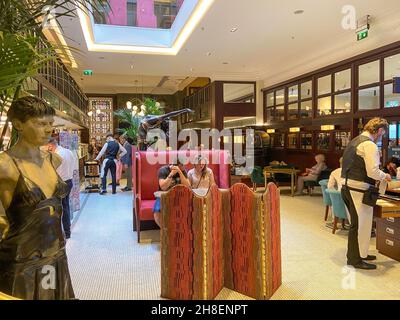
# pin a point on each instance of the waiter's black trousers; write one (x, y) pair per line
(110, 165)
(353, 250)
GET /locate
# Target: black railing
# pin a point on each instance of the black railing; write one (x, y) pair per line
(200, 102)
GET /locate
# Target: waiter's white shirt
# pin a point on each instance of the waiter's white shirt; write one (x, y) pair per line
(335, 180)
(369, 151)
(104, 149)
(66, 169)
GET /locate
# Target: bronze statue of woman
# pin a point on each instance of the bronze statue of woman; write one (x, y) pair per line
(33, 261)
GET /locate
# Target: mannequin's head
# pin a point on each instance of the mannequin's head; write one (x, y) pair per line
(33, 119)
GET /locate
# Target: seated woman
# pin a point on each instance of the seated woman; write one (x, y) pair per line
(391, 167)
(168, 177)
(201, 177)
(311, 174)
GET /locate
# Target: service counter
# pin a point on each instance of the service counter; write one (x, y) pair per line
(387, 214)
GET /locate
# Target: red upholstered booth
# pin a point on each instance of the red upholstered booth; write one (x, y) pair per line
(145, 179)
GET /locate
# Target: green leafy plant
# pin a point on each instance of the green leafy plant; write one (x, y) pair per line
(132, 120)
(24, 49)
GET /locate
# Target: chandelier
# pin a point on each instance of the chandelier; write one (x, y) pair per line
(133, 105)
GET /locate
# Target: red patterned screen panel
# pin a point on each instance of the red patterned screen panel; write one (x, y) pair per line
(227, 238)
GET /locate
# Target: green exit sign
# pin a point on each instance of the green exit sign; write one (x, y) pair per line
(87, 72)
(362, 35)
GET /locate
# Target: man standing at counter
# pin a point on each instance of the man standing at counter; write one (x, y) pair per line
(112, 151)
(360, 173)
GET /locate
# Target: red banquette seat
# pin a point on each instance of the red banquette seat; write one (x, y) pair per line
(145, 179)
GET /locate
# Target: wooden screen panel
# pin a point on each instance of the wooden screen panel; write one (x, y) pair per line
(272, 240)
(177, 248)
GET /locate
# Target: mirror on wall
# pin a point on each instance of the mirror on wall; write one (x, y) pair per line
(239, 92)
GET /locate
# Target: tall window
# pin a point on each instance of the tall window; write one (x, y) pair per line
(306, 102)
(293, 98)
(275, 105)
(392, 70)
(369, 86)
(342, 90)
(324, 107)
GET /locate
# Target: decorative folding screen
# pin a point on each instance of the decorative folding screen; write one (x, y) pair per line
(227, 238)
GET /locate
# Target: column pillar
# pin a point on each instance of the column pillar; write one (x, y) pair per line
(145, 14)
(179, 4)
(118, 14)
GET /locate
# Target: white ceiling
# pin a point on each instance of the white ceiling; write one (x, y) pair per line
(271, 44)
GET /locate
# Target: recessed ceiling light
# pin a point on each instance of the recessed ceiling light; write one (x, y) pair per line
(234, 29)
(131, 66)
(299, 11)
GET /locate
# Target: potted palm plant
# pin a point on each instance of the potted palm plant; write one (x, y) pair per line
(130, 118)
(23, 45)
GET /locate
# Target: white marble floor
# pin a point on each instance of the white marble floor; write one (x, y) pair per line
(106, 262)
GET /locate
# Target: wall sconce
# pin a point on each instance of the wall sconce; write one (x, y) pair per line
(293, 130)
(327, 128)
(271, 131)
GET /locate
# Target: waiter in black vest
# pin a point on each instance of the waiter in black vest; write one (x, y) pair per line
(360, 171)
(113, 151)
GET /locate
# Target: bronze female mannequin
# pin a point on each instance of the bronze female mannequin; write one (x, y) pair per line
(33, 262)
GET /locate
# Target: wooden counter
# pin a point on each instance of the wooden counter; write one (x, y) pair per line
(387, 209)
(388, 228)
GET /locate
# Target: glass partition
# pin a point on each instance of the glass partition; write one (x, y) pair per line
(343, 103)
(325, 85)
(392, 67)
(306, 90)
(280, 97)
(306, 141)
(323, 141)
(293, 93)
(306, 109)
(343, 80)
(50, 98)
(391, 99)
(368, 99)
(292, 140)
(368, 73)
(325, 106)
(342, 140)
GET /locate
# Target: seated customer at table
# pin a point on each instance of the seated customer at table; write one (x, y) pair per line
(201, 177)
(311, 174)
(168, 177)
(335, 179)
(391, 167)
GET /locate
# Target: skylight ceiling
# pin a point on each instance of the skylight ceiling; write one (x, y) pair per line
(144, 40)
